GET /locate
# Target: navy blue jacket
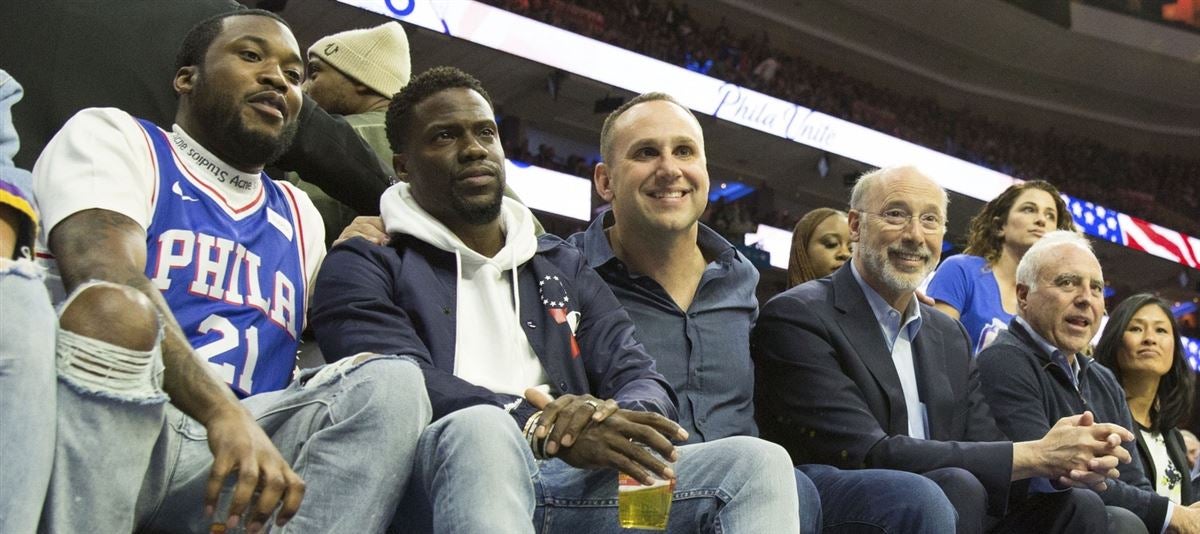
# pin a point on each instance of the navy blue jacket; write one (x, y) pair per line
(402, 298)
(1028, 393)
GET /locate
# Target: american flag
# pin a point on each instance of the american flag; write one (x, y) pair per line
(1119, 228)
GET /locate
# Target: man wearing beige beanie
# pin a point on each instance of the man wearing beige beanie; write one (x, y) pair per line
(354, 74)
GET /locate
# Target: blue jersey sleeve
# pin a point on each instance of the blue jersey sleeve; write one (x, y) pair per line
(952, 283)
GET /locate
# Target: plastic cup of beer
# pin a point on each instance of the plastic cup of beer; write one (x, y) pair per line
(644, 507)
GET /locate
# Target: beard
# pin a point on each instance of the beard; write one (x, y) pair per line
(876, 261)
(232, 137)
(475, 213)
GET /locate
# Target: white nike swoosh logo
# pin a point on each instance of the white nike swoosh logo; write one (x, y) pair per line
(178, 191)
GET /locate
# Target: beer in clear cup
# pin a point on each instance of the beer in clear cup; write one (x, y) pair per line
(644, 507)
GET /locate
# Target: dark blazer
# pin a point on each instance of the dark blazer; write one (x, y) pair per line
(1029, 393)
(1177, 451)
(827, 390)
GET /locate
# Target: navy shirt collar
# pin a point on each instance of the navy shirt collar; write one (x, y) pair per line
(599, 252)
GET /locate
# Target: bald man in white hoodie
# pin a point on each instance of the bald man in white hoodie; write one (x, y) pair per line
(502, 321)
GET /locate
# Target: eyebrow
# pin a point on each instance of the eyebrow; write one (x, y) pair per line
(1145, 322)
(263, 43)
(438, 125)
(1034, 204)
(674, 141)
(1079, 278)
(1065, 277)
(904, 205)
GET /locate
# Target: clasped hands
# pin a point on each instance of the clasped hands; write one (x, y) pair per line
(592, 433)
(1079, 452)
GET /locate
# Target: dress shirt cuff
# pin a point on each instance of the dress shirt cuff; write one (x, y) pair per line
(1167, 519)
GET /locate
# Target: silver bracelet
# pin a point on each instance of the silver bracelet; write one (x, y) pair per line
(536, 446)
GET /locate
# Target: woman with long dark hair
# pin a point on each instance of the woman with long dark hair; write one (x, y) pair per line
(1141, 346)
(820, 245)
(979, 286)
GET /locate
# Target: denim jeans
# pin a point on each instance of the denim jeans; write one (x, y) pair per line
(737, 484)
(351, 438)
(475, 473)
(27, 399)
(810, 503)
(473, 467)
(106, 424)
(879, 500)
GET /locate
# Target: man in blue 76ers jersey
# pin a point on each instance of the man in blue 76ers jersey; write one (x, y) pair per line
(187, 222)
(231, 252)
(234, 276)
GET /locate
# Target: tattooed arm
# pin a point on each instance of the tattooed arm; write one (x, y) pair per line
(99, 244)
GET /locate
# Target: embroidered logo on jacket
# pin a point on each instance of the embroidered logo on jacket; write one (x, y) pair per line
(555, 299)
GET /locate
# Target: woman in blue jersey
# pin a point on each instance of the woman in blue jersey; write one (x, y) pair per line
(1142, 347)
(979, 287)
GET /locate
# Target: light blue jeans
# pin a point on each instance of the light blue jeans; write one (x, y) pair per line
(108, 414)
(473, 468)
(27, 402)
(351, 438)
(737, 484)
(474, 473)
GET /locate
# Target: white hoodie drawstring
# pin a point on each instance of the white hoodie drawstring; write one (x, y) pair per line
(512, 258)
(458, 276)
(516, 294)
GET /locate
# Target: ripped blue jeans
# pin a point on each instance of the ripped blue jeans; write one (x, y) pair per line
(126, 460)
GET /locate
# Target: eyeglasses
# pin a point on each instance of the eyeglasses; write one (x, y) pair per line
(931, 223)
